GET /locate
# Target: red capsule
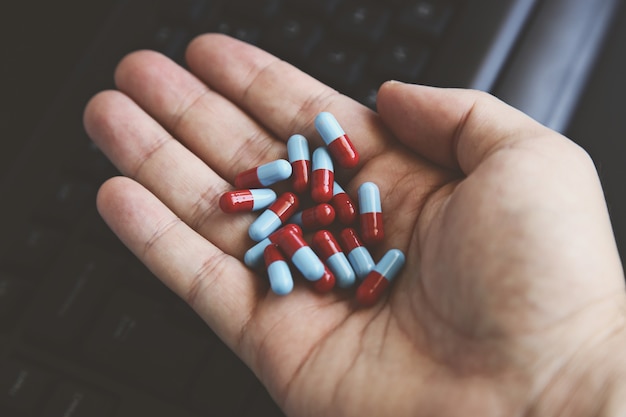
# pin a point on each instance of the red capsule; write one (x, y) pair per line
(338, 143)
(264, 175)
(298, 151)
(345, 209)
(374, 285)
(326, 282)
(246, 200)
(322, 176)
(274, 216)
(371, 216)
(301, 255)
(315, 217)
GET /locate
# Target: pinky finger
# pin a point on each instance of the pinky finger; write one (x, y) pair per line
(186, 262)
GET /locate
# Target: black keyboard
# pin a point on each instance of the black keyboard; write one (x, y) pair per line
(85, 329)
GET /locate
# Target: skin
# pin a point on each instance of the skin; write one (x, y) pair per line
(511, 302)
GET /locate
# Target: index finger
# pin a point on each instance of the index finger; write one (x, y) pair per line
(281, 97)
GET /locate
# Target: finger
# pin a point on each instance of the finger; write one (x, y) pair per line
(216, 130)
(143, 150)
(454, 128)
(192, 267)
(284, 99)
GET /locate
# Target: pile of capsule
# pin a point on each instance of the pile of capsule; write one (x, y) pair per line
(327, 261)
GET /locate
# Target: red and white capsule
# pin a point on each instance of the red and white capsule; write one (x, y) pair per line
(326, 282)
(301, 255)
(322, 176)
(300, 158)
(370, 213)
(337, 141)
(373, 286)
(274, 216)
(324, 243)
(345, 209)
(278, 271)
(246, 200)
(358, 255)
(254, 256)
(264, 175)
(315, 217)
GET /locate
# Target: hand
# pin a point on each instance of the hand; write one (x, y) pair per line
(513, 292)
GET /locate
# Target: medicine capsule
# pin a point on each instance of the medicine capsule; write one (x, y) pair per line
(345, 209)
(372, 287)
(274, 216)
(324, 243)
(371, 216)
(254, 256)
(315, 217)
(322, 176)
(278, 271)
(300, 159)
(246, 200)
(301, 255)
(264, 175)
(358, 255)
(326, 282)
(338, 143)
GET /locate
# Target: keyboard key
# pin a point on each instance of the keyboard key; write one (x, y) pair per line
(14, 293)
(237, 28)
(71, 297)
(317, 6)
(292, 38)
(171, 41)
(22, 386)
(426, 17)
(66, 202)
(69, 399)
(339, 65)
(254, 9)
(135, 338)
(363, 21)
(401, 60)
(33, 250)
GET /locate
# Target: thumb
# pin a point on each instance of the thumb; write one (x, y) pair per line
(454, 128)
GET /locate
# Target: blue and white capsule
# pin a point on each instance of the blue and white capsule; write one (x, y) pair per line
(358, 255)
(264, 175)
(337, 141)
(300, 159)
(247, 200)
(274, 216)
(371, 213)
(278, 271)
(373, 286)
(322, 176)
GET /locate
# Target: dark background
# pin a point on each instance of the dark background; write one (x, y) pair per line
(42, 41)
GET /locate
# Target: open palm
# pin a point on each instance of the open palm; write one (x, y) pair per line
(511, 266)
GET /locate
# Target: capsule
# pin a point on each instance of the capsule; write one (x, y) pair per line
(278, 271)
(358, 255)
(315, 217)
(246, 200)
(300, 159)
(372, 287)
(324, 243)
(322, 176)
(338, 143)
(254, 256)
(301, 255)
(371, 216)
(274, 216)
(326, 282)
(264, 175)
(345, 210)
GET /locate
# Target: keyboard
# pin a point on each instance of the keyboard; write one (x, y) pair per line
(85, 329)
